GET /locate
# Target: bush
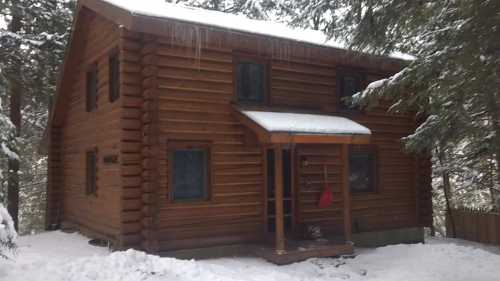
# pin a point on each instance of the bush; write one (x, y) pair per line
(7, 232)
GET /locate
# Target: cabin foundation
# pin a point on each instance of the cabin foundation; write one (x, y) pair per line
(388, 237)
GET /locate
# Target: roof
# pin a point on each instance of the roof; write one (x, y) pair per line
(290, 127)
(298, 123)
(162, 9)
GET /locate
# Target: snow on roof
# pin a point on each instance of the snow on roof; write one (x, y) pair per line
(162, 9)
(298, 123)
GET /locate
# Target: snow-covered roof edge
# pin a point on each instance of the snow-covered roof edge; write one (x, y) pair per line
(302, 123)
(162, 9)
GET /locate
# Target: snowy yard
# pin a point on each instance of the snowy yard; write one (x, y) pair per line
(58, 256)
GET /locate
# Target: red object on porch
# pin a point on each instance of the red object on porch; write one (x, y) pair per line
(326, 198)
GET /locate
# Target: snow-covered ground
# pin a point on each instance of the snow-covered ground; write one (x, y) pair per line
(57, 256)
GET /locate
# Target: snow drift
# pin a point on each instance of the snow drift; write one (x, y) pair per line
(56, 256)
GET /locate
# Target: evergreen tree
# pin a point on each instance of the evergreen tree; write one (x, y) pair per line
(256, 9)
(452, 83)
(32, 46)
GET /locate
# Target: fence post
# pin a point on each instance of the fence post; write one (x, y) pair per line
(491, 229)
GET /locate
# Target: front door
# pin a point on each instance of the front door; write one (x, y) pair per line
(287, 190)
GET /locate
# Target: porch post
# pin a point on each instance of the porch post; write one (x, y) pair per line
(346, 194)
(278, 200)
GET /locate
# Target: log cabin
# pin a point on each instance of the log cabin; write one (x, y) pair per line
(179, 130)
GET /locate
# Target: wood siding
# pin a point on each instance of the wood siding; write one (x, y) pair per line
(194, 97)
(81, 131)
(134, 160)
(195, 92)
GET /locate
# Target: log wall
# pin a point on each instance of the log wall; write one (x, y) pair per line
(55, 180)
(194, 97)
(195, 93)
(98, 215)
(131, 139)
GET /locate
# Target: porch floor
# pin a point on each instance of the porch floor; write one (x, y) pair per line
(299, 250)
(296, 250)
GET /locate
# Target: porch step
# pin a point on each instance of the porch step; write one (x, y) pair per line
(300, 254)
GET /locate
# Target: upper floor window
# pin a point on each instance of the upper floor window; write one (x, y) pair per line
(251, 82)
(189, 171)
(362, 170)
(348, 83)
(91, 89)
(114, 77)
(91, 170)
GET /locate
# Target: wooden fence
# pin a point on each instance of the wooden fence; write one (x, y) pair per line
(475, 225)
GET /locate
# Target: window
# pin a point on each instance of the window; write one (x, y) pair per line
(251, 82)
(91, 172)
(114, 77)
(92, 89)
(362, 171)
(189, 171)
(347, 85)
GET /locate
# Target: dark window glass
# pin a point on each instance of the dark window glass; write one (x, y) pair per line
(250, 82)
(92, 89)
(189, 174)
(349, 85)
(362, 171)
(91, 172)
(114, 77)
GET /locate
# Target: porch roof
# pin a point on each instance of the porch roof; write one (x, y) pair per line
(289, 127)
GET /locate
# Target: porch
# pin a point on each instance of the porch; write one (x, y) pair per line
(296, 250)
(299, 250)
(279, 133)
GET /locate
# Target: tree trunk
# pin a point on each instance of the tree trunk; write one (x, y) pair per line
(447, 190)
(14, 92)
(433, 230)
(447, 196)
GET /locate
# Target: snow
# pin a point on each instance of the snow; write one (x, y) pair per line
(7, 231)
(306, 123)
(386, 81)
(56, 256)
(162, 9)
(7, 151)
(376, 85)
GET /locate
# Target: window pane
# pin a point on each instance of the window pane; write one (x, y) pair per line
(361, 172)
(250, 82)
(349, 85)
(189, 174)
(91, 172)
(114, 78)
(91, 90)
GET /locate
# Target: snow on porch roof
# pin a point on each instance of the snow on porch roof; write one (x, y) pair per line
(286, 127)
(298, 123)
(162, 9)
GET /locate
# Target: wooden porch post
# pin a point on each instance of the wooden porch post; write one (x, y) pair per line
(346, 194)
(278, 200)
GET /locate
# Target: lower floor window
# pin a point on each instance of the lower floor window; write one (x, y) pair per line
(189, 171)
(362, 167)
(91, 159)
